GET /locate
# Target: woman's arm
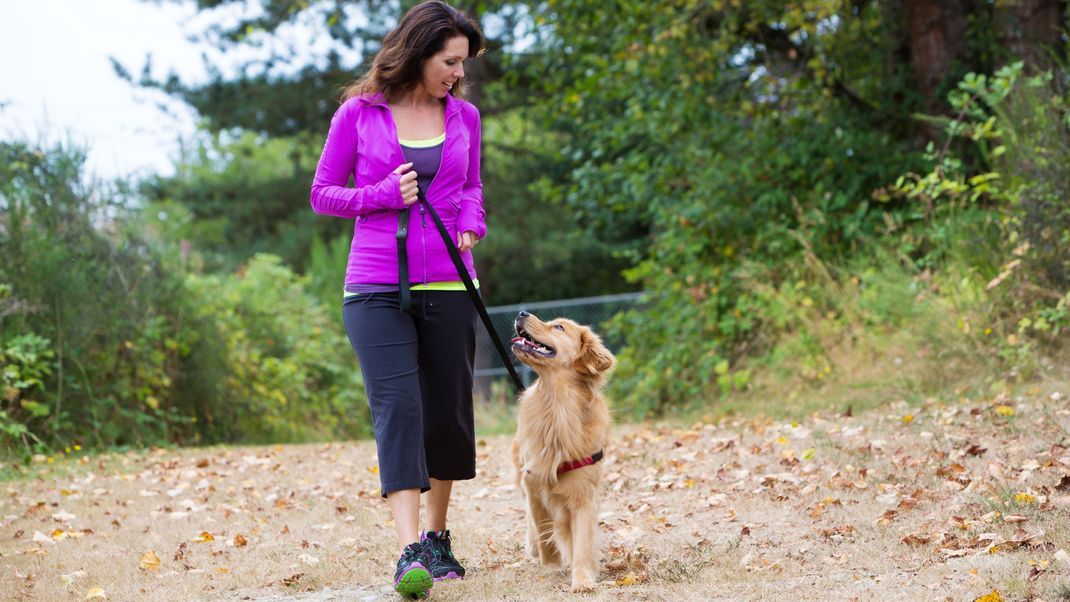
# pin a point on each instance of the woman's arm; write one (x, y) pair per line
(472, 217)
(330, 192)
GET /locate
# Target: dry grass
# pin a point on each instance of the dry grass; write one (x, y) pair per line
(866, 507)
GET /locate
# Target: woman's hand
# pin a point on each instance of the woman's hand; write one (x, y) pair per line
(467, 241)
(409, 189)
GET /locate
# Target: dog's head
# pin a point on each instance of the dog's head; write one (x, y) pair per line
(560, 344)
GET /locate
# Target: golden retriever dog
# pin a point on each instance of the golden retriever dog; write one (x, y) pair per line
(562, 428)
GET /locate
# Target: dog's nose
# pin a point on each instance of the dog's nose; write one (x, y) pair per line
(523, 314)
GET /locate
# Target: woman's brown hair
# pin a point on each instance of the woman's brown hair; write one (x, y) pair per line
(422, 32)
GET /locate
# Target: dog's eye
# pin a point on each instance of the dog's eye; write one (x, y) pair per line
(559, 327)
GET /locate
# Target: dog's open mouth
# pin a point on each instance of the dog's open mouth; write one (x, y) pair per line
(526, 343)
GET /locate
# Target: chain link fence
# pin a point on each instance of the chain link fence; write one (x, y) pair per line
(591, 311)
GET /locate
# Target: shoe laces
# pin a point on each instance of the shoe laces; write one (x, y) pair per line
(410, 553)
(440, 544)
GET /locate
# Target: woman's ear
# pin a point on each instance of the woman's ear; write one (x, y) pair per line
(594, 358)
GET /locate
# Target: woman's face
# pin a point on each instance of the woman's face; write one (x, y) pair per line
(442, 70)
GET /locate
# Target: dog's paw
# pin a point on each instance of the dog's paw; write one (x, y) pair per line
(582, 585)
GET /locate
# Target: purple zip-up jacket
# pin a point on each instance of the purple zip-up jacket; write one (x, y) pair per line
(363, 143)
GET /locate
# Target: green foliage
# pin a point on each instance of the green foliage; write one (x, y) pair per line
(684, 130)
(733, 150)
(1019, 129)
(108, 335)
(288, 373)
(109, 313)
(245, 194)
(25, 362)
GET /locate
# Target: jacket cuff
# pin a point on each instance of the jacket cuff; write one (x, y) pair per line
(389, 193)
(471, 225)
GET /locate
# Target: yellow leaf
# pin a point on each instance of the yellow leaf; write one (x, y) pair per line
(96, 594)
(809, 453)
(782, 440)
(1024, 498)
(204, 536)
(629, 579)
(373, 469)
(993, 597)
(150, 561)
(1005, 410)
(689, 483)
(908, 418)
(222, 569)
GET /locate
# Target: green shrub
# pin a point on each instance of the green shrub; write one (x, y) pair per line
(109, 336)
(288, 372)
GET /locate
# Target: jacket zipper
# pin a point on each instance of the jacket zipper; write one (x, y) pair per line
(423, 221)
(427, 193)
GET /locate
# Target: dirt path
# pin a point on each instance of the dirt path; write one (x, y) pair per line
(946, 501)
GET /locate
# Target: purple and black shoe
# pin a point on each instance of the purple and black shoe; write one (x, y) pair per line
(413, 577)
(444, 564)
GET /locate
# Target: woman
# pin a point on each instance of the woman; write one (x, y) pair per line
(402, 130)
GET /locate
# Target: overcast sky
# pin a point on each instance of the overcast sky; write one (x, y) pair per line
(56, 81)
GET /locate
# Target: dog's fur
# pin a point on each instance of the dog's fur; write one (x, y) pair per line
(562, 417)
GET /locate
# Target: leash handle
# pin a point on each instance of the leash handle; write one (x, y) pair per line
(462, 271)
(403, 260)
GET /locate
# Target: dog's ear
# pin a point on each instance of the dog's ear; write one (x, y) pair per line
(593, 358)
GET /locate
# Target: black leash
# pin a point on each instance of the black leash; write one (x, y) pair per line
(462, 271)
(403, 261)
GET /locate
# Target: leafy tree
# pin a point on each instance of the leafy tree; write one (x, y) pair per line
(737, 134)
(246, 181)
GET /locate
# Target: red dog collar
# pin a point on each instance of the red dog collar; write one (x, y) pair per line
(574, 464)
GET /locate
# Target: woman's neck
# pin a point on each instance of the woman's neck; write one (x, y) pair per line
(417, 98)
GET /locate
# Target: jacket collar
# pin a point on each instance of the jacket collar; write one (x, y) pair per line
(379, 100)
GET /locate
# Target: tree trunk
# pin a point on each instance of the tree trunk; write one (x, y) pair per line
(1030, 30)
(935, 29)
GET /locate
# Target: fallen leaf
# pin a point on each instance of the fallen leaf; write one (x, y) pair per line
(204, 536)
(1014, 518)
(1064, 483)
(42, 538)
(96, 593)
(1062, 557)
(150, 561)
(1024, 498)
(70, 578)
(992, 597)
(292, 579)
(239, 541)
(915, 541)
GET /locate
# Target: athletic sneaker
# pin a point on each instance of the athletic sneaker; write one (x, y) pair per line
(413, 577)
(443, 563)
